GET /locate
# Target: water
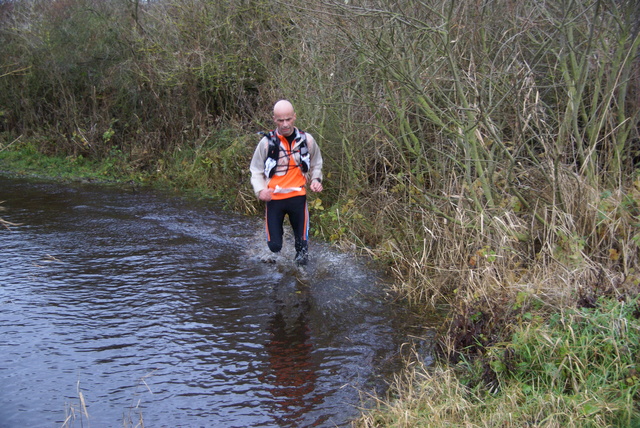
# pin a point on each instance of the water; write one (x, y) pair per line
(150, 307)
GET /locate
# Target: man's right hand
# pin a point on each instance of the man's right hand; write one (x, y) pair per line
(265, 195)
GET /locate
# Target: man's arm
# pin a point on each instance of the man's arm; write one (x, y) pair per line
(315, 165)
(258, 179)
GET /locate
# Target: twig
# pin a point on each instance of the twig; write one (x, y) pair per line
(11, 143)
(6, 223)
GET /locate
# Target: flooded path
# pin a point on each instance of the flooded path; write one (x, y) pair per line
(157, 308)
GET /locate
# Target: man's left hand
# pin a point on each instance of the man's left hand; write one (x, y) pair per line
(316, 186)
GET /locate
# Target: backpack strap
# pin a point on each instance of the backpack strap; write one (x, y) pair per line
(273, 154)
(305, 159)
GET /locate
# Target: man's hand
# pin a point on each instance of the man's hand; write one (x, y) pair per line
(265, 195)
(316, 186)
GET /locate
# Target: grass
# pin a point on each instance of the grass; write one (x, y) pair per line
(24, 158)
(202, 172)
(578, 368)
(78, 413)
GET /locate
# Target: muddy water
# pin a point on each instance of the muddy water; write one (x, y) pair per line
(157, 308)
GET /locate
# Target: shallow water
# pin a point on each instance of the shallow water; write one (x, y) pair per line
(156, 307)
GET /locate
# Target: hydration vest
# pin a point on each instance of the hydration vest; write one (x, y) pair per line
(273, 153)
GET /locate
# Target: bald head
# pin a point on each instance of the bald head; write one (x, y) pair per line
(284, 117)
(282, 106)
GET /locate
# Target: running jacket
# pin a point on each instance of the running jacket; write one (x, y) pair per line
(288, 175)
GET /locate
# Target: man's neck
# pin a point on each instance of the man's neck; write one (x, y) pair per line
(290, 137)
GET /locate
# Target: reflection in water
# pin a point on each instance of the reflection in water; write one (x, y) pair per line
(291, 371)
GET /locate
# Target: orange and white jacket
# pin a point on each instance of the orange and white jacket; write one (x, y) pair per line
(289, 180)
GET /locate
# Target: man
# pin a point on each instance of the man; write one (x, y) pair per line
(285, 160)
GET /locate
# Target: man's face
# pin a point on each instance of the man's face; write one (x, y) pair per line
(285, 120)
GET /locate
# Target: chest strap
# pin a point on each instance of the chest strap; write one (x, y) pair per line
(274, 153)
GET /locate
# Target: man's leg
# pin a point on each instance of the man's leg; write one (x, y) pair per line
(299, 219)
(274, 216)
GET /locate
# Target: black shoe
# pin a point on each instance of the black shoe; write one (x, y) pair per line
(302, 258)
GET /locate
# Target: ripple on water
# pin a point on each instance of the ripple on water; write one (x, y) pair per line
(160, 306)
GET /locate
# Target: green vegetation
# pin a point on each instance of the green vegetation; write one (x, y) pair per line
(486, 152)
(578, 368)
